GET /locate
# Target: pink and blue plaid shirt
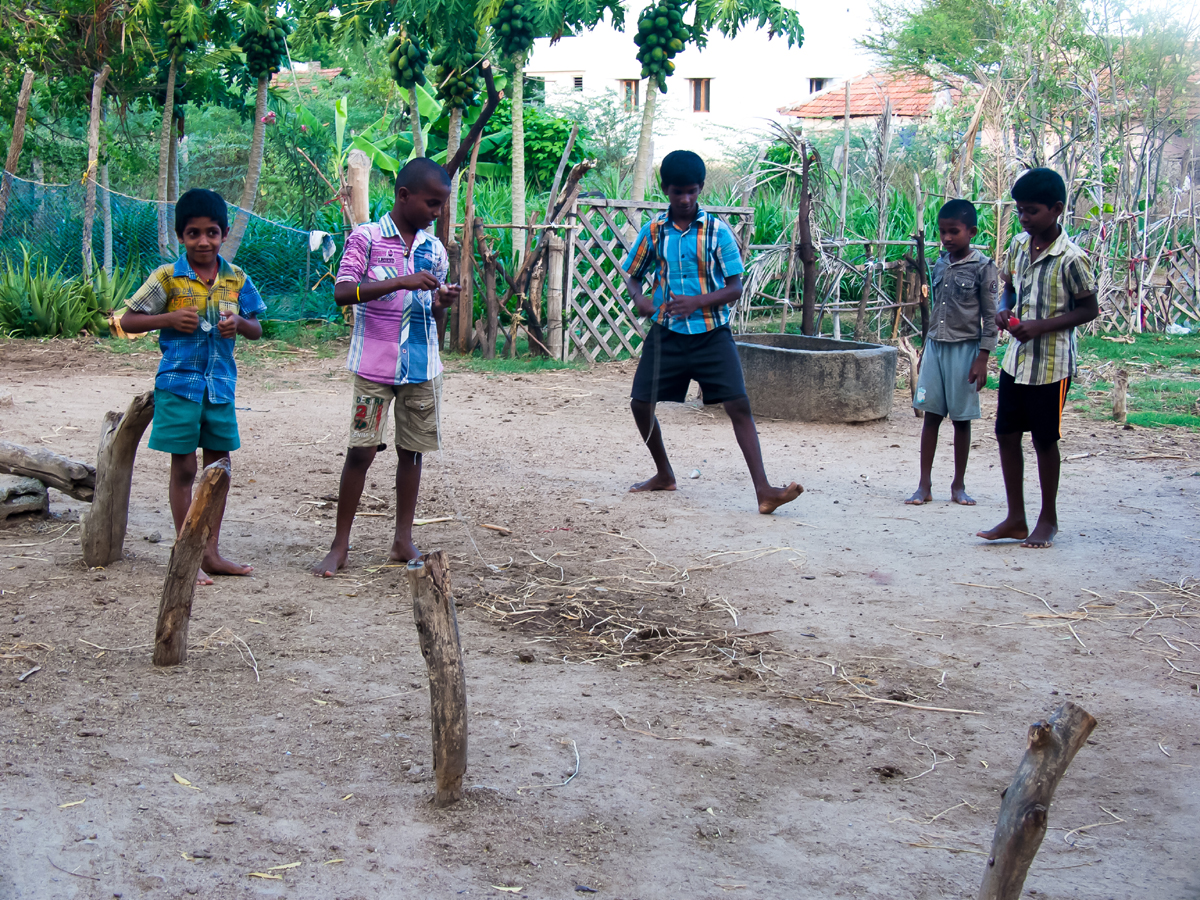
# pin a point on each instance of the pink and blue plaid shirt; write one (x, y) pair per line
(395, 339)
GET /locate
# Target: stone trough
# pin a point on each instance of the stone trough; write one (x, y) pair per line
(816, 379)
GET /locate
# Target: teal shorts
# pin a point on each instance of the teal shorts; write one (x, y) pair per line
(942, 386)
(182, 425)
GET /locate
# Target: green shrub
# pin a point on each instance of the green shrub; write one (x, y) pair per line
(36, 302)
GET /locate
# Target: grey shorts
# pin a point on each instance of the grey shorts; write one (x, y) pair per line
(942, 386)
(415, 412)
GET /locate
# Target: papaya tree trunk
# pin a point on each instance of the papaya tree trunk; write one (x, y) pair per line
(106, 210)
(414, 116)
(452, 141)
(518, 161)
(164, 164)
(641, 162)
(253, 172)
(93, 161)
(18, 139)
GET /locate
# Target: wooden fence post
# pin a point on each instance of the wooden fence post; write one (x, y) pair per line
(554, 296)
(437, 629)
(1025, 803)
(179, 587)
(1120, 393)
(860, 322)
(105, 523)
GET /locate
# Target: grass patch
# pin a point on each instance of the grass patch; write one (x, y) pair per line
(1164, 379)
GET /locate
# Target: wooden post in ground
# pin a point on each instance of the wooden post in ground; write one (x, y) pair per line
(437, 629)
(1025, 803)
(491, 301)
(179, 587)
(105, 523)
(1120, 393)
(554, 296)
(860, 321)
(359, 178)
(906, 347)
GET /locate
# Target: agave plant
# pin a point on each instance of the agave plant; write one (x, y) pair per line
(36, 302)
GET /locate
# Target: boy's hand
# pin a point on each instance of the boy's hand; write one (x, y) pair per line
(978, 373)
(185, 320)
(1029, 329)
(446, 296)
(417, 281)
(1002, 316)
(643, 304)
(229, 325)
(683, 305)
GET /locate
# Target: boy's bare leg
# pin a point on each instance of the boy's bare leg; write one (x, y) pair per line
(1012, 464)
(408, 482)
(354, 478)
(929, 438)
(1049, 465)
(769, 498)
(651, 432)
(183, 476)
(962, 449)
(213, 562)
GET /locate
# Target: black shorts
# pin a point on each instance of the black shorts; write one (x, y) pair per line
(671, 361)
(1036, 408)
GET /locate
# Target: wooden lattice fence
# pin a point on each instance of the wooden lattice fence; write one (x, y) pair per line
(600, 322)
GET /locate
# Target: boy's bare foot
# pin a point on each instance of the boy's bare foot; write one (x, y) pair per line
(961, 497)
(657, 483)
(1012, 529)
(403, 551)
(773, 498)
(921, 496)
(216, 564)
(334, 560)
(1042, 537)
(202, 578)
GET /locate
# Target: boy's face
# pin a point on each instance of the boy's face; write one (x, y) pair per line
(202, 238)
(684, 199)
(1038, 218)
(418, 208)
(956, 236)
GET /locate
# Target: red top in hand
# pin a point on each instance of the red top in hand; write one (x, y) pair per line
(1013, 322)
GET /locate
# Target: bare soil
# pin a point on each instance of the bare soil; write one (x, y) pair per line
(716, 672)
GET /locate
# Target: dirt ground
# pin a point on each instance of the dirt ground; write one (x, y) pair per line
(710, 674)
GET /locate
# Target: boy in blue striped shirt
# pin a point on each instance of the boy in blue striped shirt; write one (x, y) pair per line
(697, 271)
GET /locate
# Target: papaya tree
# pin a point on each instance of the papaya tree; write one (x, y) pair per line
(663, 32)
(264, 42)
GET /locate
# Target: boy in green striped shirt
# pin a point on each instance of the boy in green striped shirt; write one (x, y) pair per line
(1049, 291)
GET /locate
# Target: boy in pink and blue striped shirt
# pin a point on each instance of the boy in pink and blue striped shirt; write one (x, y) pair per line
(393, 272)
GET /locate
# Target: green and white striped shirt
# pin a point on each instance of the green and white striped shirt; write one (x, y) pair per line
(1046, 288)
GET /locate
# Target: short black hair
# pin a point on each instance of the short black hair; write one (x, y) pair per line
(201, 203)
(419, 173)
(681, 168)
(1044, 186)
(960, 211)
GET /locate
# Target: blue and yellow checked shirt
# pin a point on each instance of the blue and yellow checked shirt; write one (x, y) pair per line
(203, 360)
(686, 263)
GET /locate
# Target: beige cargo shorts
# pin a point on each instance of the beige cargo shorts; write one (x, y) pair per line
(415, 413)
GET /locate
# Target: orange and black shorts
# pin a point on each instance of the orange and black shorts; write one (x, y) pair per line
(1036, 408)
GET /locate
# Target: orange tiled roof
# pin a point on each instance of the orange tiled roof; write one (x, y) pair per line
(913, 96)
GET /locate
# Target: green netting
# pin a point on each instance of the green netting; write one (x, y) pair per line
(295, 282)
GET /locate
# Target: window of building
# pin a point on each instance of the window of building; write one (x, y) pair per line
(816, 85)
(630, 93)
(700, 94)
(579, 82)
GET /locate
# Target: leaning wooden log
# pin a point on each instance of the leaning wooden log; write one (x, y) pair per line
(437, 629)
(1025, 803)
(914, 363)
(179, 587)
(104, 525)
(71, 476)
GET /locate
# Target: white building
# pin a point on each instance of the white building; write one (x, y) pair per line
(721, 95)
